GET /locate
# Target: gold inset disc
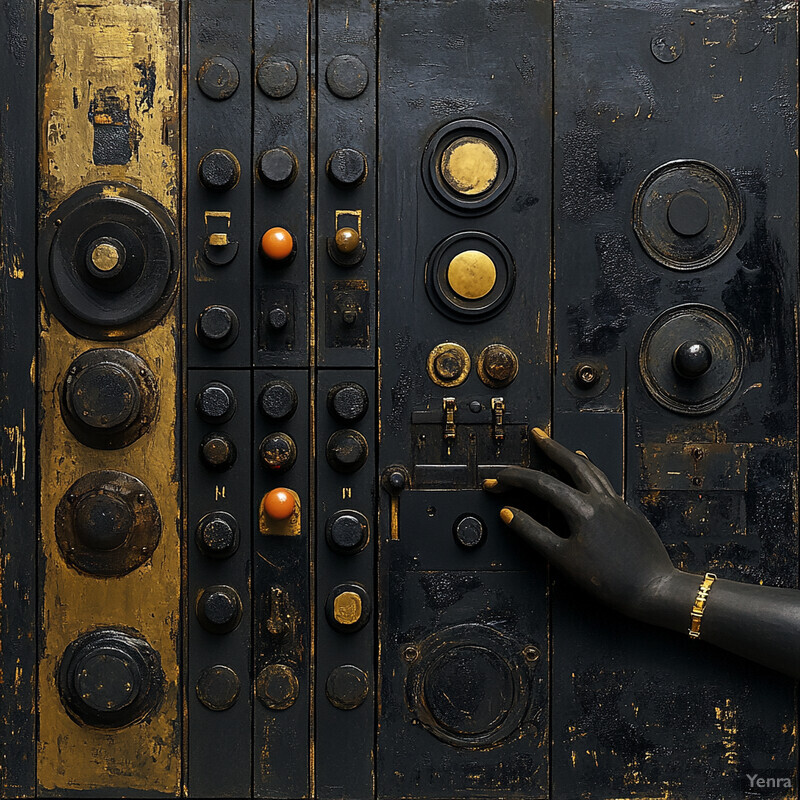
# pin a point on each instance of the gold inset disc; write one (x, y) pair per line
(105, 257)
(471, 274)
(470, 165)
(347, 608)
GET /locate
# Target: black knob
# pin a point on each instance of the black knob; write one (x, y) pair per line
(346, 450)
(277, 167)
(348, 402)
(219, 170)
(217, 534)
(217, 327)
(109, 678)
(218, 687)
(278, 452)
(219, 608)
(103, 396)
(347, 167)
(103, 521)
(278, 400)
(278, 318)
(347, 531)
(687, 213)
(692, 359)
(469, 531)
(215, 402)
(218, 451)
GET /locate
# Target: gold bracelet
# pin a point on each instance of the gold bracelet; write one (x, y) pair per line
(700, 604)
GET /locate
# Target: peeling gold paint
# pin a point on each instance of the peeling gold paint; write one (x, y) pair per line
(10, 474)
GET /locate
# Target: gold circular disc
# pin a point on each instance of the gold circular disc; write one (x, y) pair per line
(471, 274)
(470, 165)
(347, 608)
(105, 257)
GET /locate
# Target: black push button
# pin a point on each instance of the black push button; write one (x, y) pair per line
(219, 170)
(692, 359)
(347, 167)
(278, 452)
(277, 167)
(217, 327)
(347, 402)
(469, 531)
(346, 451)
(215, 402)
(218, 451)
(219, 609)
(278, 400)
(217, 535)
(347, 531)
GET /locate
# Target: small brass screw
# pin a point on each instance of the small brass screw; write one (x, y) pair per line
(410, 654)
(531, 653)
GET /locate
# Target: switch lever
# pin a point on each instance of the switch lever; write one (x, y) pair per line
(278, 619)
(498, 410)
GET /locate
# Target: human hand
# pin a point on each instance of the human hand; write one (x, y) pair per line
(612, 551)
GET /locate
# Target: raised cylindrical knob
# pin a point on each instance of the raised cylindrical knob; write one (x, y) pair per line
(217, 534)
(219, 170)
(218, 451)
(217, 327)
(692, 359)
(469, 531)
(347, 167)
(215, 402)
(278, 452)
(347, 531)
(346, 451)
(219, 608)
(277, 167)
(348, 402)
(278, 400)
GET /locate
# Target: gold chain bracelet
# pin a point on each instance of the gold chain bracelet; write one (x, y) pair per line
(700, 604)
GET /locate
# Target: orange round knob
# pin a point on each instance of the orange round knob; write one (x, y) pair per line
(277, 244)
(278, 504)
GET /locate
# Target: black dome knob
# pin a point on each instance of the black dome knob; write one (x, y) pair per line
(347, 531)
(218, 451)
(469, 531)
(277, 167)
(692, 359)
(217, 535)
(109, 678)
(687, 213)
(348, 402)
(103, 521)
(219, 170)
(278, 452)
(219, 609)
(347, 167)
(215, 402)
(346, 450)
(217, 327)
(278, 400)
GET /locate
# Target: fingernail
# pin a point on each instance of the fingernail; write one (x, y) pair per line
(539, 433)
(506, 515)
(489, 483)
(581, 453)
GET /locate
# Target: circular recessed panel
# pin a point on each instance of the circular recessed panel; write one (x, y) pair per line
(107, 524)
(691, 359)
(470, 276)
(111, 256)
(469, 686)
(468, 166)
(687, 214)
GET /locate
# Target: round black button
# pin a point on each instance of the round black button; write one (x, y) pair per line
(277, 167)
(469, 531)
(278, 452)
(103, 396)
(348, 402)
(347, 167)
(278, 318)
(219, 609)
(277, 686)
(103, 521)
(219, 170)
(217, 327)
(347, 76)
(217, 534)
(347, 531)
(218, 451)
(692, 359)
(277, 78)
(215, 402)
(218, 687)
(218, 78)
(346, 451)
(278, 400)
(347, 687)
(687, 213)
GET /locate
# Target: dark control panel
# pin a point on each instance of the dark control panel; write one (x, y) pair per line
(281, 285)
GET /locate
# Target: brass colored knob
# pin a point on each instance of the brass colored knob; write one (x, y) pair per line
(347, 240)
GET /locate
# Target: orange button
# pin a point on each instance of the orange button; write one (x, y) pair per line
(277, 244)
(278, 504)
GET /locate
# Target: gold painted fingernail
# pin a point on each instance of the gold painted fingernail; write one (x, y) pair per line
(489, 483)
(506, 515)
(539, 433)
(581, 453)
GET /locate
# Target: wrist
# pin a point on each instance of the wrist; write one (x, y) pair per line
(667, 600)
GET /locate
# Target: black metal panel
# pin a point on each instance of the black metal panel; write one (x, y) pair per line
(219, 735)
(636, 711)
(449, 75)
(219, 118)
(18, 326)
